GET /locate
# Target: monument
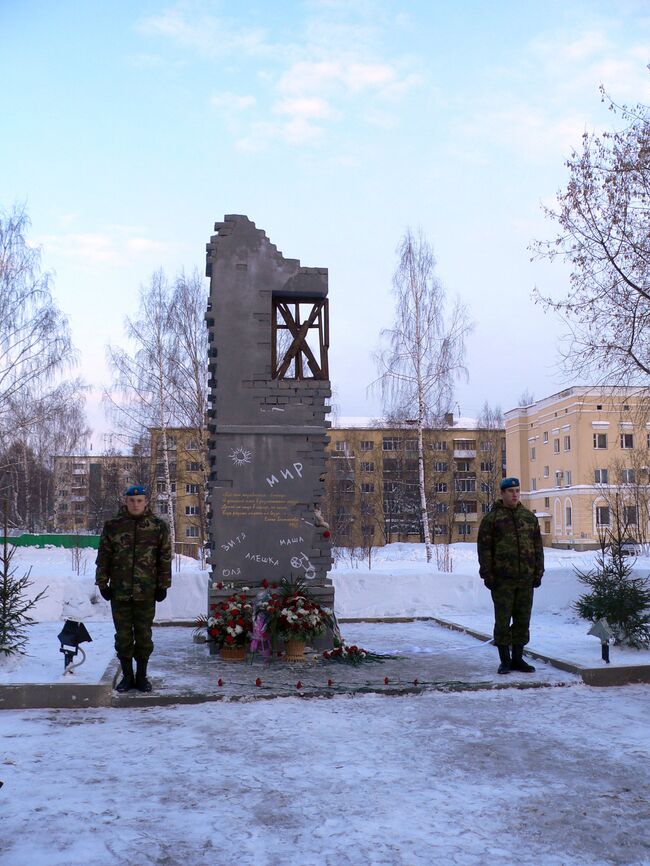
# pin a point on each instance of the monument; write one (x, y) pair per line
(268, 341)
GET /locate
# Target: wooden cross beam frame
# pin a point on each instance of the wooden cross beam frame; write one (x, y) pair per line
(307, 366)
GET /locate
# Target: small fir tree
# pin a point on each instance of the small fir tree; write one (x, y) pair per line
(623, 600)
(14, 606)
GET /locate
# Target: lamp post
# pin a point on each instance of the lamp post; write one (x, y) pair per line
(602, 629)
(71, 635)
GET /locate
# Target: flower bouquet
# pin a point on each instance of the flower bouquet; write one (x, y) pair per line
(291, 614)
(351, 654)
(230, 622)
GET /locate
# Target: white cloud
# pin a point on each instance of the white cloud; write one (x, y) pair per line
(205, 34)
(231, 102)
(304, 108)
(90, 249)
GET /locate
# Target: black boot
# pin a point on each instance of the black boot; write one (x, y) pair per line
(504, 655)
(142, 684)
(518, 663)
(127, 682)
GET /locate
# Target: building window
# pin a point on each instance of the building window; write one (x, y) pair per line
(465, 444)
(545, 437)
(441, 507)
(438, 466)
(627, 440)
(438, 446)
(568, 515)
(599, 407)
(485, 445)
(547, 502)
(368, 487)
(191, 532)
(567, 443)
(191, 509)
(533, 484)
(556, 446)
(465, 529)
(486, 487)
(546, 472)
(367, 466)
(367, 445)
(630, 515)
(410, 444)
(392, 443)
(193, 466)
(601, 476)
(567, 478)
(465, 485)
(192, 445)
(532, 452)
(341, 446)
(487, 466)
(602, 515)
(440, 487)
(463, 465)
(627, 476)
(600, 440)
(439, 530)
(161, 507)
(191, 488)
(558, 478)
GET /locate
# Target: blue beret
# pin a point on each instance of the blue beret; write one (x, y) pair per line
(509, 482)
(135, 490)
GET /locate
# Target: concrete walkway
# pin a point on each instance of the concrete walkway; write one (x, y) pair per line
(425, 655)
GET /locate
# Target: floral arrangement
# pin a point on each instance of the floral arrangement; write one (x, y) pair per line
(230, 622)
(352, 654)
(292, 613)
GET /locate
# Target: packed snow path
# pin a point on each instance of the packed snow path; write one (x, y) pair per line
(549, 777)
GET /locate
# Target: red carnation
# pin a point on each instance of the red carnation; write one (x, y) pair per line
(327, 533)
(229, 638)
(386, 681)
(330, 683)
(265, 583)
(298, 685)
(219, 682)
(415, 682)
(258, 682)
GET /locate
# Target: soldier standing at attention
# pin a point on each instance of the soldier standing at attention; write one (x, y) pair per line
(511, 563)
(133, 573)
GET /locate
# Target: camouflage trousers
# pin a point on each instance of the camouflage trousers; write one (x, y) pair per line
(513, 604)
(133, 621)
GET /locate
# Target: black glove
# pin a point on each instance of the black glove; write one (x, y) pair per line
(489, 582)
(106, 592)
(537, 582)
(160, 593)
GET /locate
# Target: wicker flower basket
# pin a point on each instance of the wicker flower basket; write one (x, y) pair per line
(294, 650)
(232, 653)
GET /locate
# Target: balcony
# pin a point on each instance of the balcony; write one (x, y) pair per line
(463, 454)
(470, 517)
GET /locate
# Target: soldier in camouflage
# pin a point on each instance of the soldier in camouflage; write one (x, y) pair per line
(511, 563)
(133, 573)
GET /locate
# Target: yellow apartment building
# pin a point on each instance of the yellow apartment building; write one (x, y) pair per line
(88, 489)
(187, 474)
(372, 493)
(583, 457)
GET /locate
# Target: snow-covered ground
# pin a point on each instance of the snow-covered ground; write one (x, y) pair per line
(556, 776)
(400, 583)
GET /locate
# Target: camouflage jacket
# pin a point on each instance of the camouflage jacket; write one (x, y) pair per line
(510, 545)
(134, 556)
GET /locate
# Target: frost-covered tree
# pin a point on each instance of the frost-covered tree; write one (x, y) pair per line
(423, 353)
(604, 235)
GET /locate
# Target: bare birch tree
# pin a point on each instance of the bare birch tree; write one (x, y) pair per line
(35, 343)
(424, 351)
(603, 217)
(141, 395)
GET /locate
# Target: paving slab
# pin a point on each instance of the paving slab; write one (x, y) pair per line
(421, 656)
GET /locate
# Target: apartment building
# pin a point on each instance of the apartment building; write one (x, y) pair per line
(187, 479)
(88, 489)
(372, 488)
(583, 458)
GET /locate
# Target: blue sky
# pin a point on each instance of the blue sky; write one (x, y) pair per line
(130, 128)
